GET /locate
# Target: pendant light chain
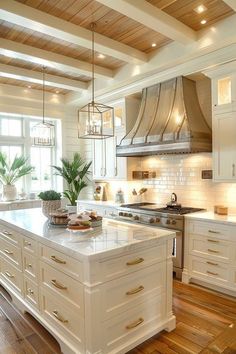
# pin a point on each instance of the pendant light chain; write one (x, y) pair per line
(44, 68)
(93, 25)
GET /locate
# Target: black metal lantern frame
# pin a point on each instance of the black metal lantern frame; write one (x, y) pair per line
(43, 132)
(96, 120)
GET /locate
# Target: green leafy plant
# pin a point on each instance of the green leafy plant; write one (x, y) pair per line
(75, 173)
(11, 172)
(49, 195)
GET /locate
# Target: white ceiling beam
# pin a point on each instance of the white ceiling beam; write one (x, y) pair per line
(57, 61)
(42, 22)
(35, 77)
(154, 18)
(231, 3)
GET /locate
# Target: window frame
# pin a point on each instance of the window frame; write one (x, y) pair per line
(25, 141)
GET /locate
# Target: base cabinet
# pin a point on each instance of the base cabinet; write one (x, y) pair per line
(210, 255)
(106, 305)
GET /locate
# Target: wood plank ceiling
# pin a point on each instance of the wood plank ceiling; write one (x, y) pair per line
(109, 23)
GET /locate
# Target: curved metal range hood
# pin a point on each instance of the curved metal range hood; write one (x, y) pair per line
(170, 121)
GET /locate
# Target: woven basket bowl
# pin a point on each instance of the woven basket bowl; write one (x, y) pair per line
(50, 206)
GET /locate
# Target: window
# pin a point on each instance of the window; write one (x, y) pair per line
(16, 139)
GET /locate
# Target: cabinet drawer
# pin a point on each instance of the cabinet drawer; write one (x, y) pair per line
(206, 269)
(121, 294)
(211, 229)
(29, 245)
(62, 262)
(126, 264)
(31, 292)
(30, 266)
(11, 252)
(64, 317)
(133, 323)
(211, 247)
(12, 275)
(63, 285)
(10, 235)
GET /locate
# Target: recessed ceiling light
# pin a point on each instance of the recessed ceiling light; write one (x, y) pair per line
(203, 22)
(200, 9)
(101, 56)
(29, 86)
(154, 45)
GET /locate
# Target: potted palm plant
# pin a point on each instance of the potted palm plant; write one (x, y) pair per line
(75, 173)
(11, 172)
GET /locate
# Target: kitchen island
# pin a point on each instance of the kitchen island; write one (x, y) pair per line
(102, 291)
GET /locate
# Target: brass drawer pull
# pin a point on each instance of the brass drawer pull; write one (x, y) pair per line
(7, 233)
(59, 317)
(135, 291)
(58, 260)
(213, 241)
(212, 263)
(211, 273)
(9, 275)
(135, 324)
(30, 291)
(212, 251)
(58, 285)
(7, 251)
(214, 232)
(135, 261)
(27, 243)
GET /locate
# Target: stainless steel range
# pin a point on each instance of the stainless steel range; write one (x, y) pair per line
(170, 217)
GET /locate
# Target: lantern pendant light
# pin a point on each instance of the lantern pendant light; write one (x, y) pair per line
(96, 120)
(43, 132)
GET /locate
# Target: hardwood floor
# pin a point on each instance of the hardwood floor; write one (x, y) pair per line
(206, 324)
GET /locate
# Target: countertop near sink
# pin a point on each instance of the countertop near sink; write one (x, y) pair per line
(113, 238)
(208, 215)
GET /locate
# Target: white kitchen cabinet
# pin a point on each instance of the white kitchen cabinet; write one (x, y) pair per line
(210, 255)
(224, 121)
(224, 147)
(107, 298)
(20, 204)
(106, 165)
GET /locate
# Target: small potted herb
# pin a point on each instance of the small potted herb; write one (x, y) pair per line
(51, 201)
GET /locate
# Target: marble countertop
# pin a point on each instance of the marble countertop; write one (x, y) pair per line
(2, 202)
(114, 237)
(102, 203)
(211, 216)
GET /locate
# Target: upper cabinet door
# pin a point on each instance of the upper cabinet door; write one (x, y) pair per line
(98, 159)
(224, 93)
(224, 147)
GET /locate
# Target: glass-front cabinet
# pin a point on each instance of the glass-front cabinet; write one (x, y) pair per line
(224, 92)
(223, 83)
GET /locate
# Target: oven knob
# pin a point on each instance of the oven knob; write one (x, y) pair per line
(121, 214)
(168, 221)
(126, 214)
(158, 219)
(130, 215)
(151, 221)
(173, 222)
(136, 217)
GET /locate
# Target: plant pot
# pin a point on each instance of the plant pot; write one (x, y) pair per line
(72, 209)
(9, 192)
(50, 206)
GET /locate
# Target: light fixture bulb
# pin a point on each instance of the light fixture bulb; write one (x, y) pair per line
(101, 56)
(200, 9)
(203, 22)
(154, 45)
